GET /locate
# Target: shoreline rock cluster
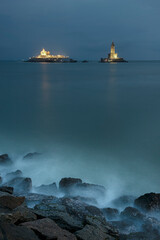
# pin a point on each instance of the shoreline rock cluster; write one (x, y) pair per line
(70, 211)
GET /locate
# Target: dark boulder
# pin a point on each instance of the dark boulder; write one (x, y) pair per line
(50, 189)
(6, 189)
(12, 175)
(18, 215)
(96, 228)
(13, 232)
(66, 184)
(5, 159)
(58, 213)
(1, 180)
(31, 155)
(110, 213)
(148, 202)
(9, 201)
(20, 184)
(48, 229)
(132, 214)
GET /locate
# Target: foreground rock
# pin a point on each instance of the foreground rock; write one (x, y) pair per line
(9, 201)
(149, 202)
(12, 232)
(48, 229)
(5, 159)
(19, 215)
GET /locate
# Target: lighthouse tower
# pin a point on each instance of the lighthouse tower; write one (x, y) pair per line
(113, 54)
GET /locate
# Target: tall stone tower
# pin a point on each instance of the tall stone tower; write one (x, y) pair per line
(113, 54)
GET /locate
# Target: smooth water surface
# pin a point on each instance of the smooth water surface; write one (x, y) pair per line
(100, 122)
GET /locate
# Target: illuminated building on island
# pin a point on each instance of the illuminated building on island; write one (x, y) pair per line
(113, 56)
(45, 56)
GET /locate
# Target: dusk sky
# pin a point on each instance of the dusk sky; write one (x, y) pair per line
(82, 29)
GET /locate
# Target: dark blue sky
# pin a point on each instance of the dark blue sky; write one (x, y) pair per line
(82, 29)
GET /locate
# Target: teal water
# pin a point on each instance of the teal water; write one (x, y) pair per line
(100, 122)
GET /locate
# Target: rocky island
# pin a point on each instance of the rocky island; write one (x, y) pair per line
(112, 56)
(45, 56)
(71, 210)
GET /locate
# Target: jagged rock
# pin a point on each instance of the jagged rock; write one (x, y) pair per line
(13, 232)
(7, 189)
(96, 228)
(50, 189)
(92, 233)
(48, 229)
(59, 214)
(66, 184)
(12, 175)
(152, 227)
(102, 224)
(9, 201)
(20, 184)
(31, 155)
(18, 215)
(110, 213)
(33, 199)
(5, 159)
(132, 214)
(148, 202)
(123, 201)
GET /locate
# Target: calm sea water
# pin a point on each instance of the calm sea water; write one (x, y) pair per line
(100, 122)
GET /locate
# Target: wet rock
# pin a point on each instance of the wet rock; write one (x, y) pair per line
(5, 159)
(18, 215)
(102, 224)
(7, 189)
(110, 213)
(13, 232)
(66, 184)
(12, 175)
(31, 155)
(97, 228)
(132, 214)
(79, 209)
(58, 213)
(33, 199)
(123, 201)
(9, 201)
(50, 189)
(92, 233)
(48, 229)
(149, 202)
(20, 184)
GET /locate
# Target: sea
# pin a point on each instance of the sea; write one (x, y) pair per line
(95, 121)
